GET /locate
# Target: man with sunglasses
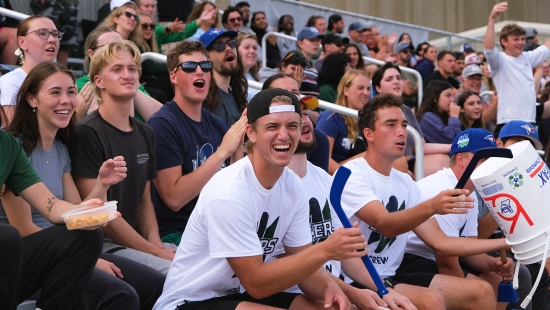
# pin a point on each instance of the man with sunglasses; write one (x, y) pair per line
(410, 80)
(228, 98)
(232, 19)
(332, 43)
(192, 143)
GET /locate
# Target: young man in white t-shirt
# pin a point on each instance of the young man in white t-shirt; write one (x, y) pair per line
(512, 72)
(421, 258)
(323, 219)
(247, 214)
(388, 204)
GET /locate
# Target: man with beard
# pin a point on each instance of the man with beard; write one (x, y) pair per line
(232, 19)
(244, 8)
(323, 219)
(335, 24)
(192, 143)
(227, 94)
(410, 81)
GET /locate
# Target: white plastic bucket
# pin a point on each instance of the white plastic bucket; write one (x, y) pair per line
(517, 192)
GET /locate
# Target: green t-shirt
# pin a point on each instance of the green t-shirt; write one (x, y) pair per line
(15, 168)
(163, 38)
(85, 79)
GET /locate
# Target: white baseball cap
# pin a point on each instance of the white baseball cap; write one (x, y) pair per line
(118, 3)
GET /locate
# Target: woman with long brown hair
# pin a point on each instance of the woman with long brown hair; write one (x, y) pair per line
(44, 120)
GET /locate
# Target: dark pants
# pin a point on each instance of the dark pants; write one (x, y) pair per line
(541, 299)
(55, 260)
(139, 288)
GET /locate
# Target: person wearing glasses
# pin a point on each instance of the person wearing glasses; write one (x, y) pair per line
(144, 103)
(37, 41)
(227, 95)
(110, 131)
(410, 80)
(192, 143)
(63, 13)
(125, 20)
(154, 73)
(232, 19)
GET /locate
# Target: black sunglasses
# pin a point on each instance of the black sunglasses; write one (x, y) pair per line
(220, 46)
(148, 26)
(232, 20)
(130, 15)
(44, 34)
(191, 66)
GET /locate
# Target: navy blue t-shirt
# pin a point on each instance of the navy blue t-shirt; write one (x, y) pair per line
(320, 154)
(333, 125)
(182, 142)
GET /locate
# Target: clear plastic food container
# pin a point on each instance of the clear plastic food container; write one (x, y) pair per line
(90, 216)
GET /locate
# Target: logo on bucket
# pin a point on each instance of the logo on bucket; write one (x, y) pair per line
(538, 168)
(509, 205)
(516, 180)
(463, 141)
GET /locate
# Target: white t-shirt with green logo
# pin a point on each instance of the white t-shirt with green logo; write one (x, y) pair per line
(396, 192)
(453, 225)
(235, 216)
(322, 218)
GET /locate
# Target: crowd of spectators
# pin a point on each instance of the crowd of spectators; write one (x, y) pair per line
(154, 135)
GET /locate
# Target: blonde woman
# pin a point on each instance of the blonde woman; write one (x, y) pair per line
(344, 138)
(154, 74)
(247, 49)
(125, 20)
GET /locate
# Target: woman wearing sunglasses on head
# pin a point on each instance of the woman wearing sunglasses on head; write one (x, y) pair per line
(37, 41)
(154, 73)
(144, 104)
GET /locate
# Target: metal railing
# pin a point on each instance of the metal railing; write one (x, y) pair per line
(369, 59)
(448, 34)
(419, 147)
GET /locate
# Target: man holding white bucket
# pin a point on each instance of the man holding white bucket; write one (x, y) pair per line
(420, 257)
(388, 204)
(511, 133)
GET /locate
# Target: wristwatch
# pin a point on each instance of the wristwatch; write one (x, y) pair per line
(388, 283)
(167, 30)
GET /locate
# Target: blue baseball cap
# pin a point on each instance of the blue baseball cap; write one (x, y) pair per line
(212, 34)
(521, 129)
(472, 140)
(309, 33)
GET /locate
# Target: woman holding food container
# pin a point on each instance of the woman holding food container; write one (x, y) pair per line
(43, 121)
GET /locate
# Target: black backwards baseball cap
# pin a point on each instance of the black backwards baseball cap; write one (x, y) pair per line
(260, 104)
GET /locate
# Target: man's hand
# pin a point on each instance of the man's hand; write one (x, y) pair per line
(345, 243)
(396, 301)
(367, 299)
(506, 271)
(108, 267)
(452, 201)
(165, 253)
(112, 171)
(334, 297)
(497, 9)
(233, 137)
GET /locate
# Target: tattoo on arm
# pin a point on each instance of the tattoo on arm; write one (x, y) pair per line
(49, 206)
